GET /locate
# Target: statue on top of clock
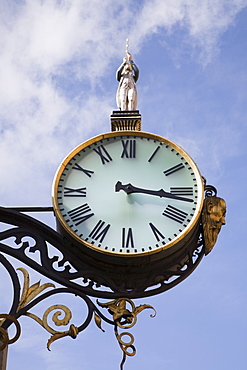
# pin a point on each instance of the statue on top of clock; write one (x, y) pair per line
(127, 75)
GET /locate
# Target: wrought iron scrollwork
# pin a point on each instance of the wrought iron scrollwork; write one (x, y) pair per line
(24, 236)
(210, 191)
(32, 236)
(30, 297)
(125, 319)
(4, 337)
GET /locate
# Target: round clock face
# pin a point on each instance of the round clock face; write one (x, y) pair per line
(128, 193)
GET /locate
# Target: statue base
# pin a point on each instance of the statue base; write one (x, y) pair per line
(126, 120)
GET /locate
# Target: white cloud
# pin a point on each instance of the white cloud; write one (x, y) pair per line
(50, 48)
(203, 22)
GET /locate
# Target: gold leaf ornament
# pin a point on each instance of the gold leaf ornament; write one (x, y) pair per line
(98, 321)
(30, 292)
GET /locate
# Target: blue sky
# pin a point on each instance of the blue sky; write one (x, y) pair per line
(57, 71)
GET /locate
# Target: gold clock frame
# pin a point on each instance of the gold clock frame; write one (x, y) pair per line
(162, 251)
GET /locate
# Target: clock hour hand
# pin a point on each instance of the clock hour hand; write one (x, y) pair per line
(129, 189)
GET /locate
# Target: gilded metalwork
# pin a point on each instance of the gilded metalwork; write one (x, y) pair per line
(125, 319)
(170, 246)
(30, 292)
(4, 337)
(126, 120)
(30, 235)
(213, 217)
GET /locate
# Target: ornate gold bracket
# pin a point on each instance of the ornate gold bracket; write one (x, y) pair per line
(125, 319)
(123, 310)
(213, 217)
(28, 294)
(4, 337)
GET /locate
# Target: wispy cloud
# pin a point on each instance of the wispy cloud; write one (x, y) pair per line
(54, 63)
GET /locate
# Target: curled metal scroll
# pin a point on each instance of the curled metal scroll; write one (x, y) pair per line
(4, 337)
(210, 191)
(124, 319)
(31, 236)
(30, 297)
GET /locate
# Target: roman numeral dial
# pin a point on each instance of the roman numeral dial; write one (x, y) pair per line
(128, 193)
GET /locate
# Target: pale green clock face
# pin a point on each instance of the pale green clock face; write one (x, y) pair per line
(128, 193)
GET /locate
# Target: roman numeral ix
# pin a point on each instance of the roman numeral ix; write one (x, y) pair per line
(70, 192)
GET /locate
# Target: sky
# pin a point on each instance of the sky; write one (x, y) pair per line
(57, 89)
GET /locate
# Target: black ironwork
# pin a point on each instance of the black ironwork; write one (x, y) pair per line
(210, 191)
(30, 236)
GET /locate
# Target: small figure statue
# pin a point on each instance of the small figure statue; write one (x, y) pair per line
(127, 75)
(213, 217)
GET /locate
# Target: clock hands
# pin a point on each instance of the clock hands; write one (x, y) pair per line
(129, 189)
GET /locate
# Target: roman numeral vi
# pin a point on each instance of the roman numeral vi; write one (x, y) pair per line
(127, 238)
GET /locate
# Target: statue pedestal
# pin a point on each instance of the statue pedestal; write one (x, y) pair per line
(126, 120)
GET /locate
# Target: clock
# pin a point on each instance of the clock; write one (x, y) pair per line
(128, 198)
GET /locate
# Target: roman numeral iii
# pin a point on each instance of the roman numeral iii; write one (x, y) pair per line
(182, 190)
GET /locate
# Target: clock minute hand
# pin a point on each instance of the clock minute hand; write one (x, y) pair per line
(129, 189)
